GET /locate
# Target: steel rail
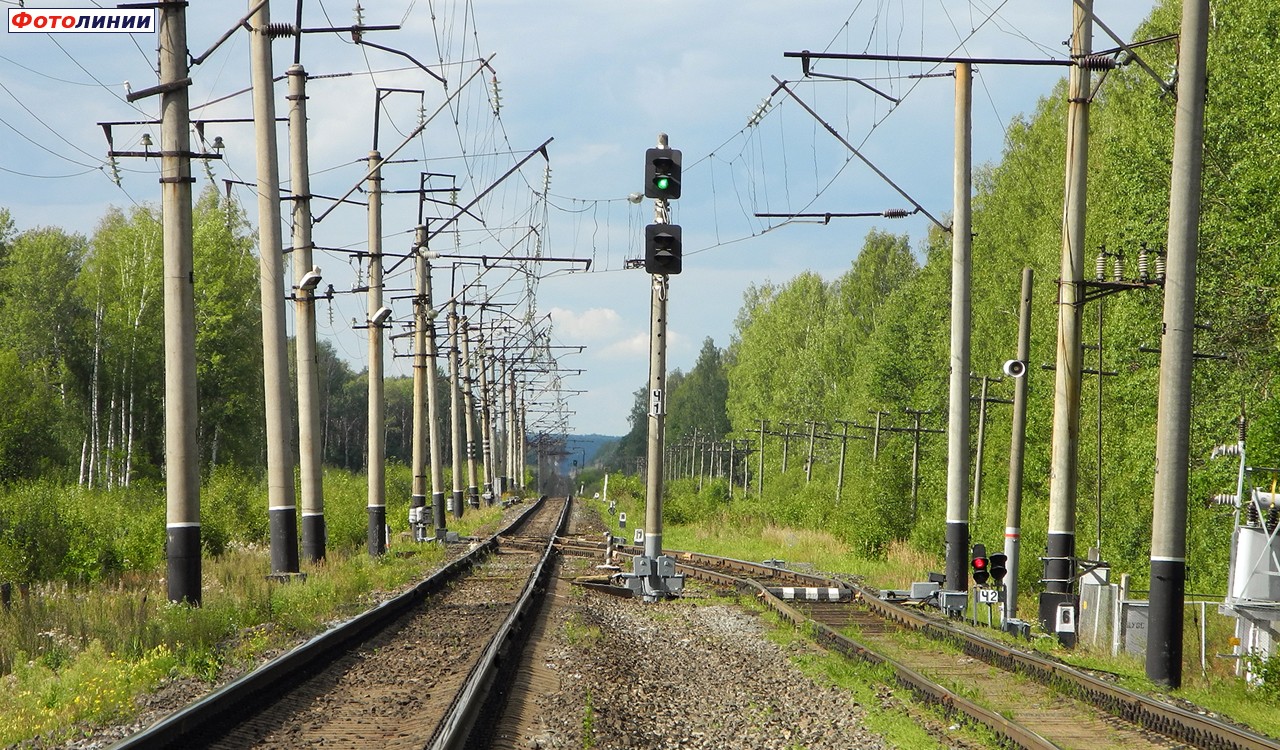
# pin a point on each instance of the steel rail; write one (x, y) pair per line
(453, 732)
(1158, 716)
(246, 693)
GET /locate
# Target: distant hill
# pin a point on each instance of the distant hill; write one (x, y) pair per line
(583, 449)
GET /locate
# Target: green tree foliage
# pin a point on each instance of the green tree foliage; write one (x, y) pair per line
(228, 335)
(697, 401)
(877, 338)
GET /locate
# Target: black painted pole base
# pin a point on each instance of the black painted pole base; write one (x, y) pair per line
(1164, 625)
(183, 569)
(1059, 564)
(377, 538)
(957, 556)
(284, 540)
(457, 503)
(473, 496)
(438, 514)
(313, 537)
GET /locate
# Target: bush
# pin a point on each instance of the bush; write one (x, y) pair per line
(233, 507)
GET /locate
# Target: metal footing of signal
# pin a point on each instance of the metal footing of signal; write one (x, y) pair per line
(653, 578)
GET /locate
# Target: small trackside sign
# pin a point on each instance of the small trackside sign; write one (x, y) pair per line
(656, 403)
(80, 20)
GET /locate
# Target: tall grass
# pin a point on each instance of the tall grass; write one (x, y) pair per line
(76, 648)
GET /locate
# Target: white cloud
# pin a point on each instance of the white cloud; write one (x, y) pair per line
(632, 346)
(592, 324)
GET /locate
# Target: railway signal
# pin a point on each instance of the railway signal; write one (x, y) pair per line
(663, 249)
(662, 173)
(980, 564)
(653, 574)
(997, 566)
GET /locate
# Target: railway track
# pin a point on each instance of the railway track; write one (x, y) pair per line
(413, 672)
(1026, 699)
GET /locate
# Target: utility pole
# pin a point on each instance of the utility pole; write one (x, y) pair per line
(486, 422)
(1173, 421)
(653, 574)
(808, 462)
(182, 457)
(983, 400)
(760, 459)
(377, 459)
(957, 533)
(305, 279)
(916, 430)
(1059, 566)
(1013, 512)
(469, 407)
(421, 319)
(786, 443)
(455, 410)
(515, 438)
(433, 396)
(283, 516)
(844, 439)
(875, 435)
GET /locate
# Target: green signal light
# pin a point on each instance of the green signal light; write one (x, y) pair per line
(663, 183)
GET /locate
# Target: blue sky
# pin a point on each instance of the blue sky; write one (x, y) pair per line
(601, 78)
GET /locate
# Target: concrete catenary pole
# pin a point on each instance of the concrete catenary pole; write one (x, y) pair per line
(1173, 420)
(486, 421)
(310, 464)
(182, 459)
(469, 414)
(377, 458)
(433, 403)
(957, 533)
(657, 394)
(1013, 511)
(1061, 545)
(283, 516)
(515, 438)
(455, 410)
(978, 453)
(657, 416)
(421, 318)
(500, 424)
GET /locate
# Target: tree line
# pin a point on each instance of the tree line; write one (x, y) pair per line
(876, 338)
(82, 354)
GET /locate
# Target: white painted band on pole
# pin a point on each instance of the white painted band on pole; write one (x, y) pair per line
(283, 507)
(1159, 558)
(1012, 532)
(183, 525)
(313, 514)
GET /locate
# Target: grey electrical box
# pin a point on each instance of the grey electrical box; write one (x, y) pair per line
(641, 565)
(924, 589)
(953, 601)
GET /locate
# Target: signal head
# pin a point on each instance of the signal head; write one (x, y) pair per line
(998, 566)
(662, 173)
(663, 249)
(981, 566)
